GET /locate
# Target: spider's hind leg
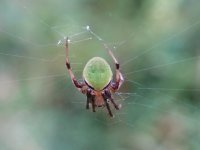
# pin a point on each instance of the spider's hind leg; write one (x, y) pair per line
(105, 97)
(90, 99)
(109, 96)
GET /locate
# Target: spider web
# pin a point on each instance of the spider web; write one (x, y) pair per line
(161, 86)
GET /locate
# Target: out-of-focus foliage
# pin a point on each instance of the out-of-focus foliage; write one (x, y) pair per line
(158, 46)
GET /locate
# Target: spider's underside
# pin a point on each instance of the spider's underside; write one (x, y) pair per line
(98, 85)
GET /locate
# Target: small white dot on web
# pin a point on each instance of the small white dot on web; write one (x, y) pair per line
(59, 42)
(87, 27)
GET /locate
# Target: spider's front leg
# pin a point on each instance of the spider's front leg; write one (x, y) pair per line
(119, 79)
(77, 84)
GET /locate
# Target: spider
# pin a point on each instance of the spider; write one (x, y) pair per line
(98, 85)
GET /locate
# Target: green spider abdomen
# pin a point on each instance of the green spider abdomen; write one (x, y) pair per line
(97, 73)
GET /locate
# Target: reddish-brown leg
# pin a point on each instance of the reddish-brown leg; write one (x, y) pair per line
(107, 105)
(90, 99)
(118, 78)
(77, 84)
(109, 96)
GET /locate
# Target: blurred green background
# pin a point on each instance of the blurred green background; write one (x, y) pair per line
(157, 43)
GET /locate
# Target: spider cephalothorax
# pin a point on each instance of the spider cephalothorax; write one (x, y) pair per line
(98, 85)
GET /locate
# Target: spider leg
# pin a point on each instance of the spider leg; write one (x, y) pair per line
(117, 106)
(90, 99)
(109, 96)
(93, 105)
(77, 84)
(119, 79)
(107, 105)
